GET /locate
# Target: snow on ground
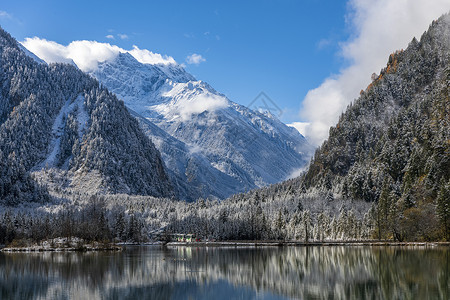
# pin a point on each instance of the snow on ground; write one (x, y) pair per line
(60, 244)
(82, 116)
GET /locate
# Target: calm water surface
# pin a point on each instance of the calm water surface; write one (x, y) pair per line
(152, 272)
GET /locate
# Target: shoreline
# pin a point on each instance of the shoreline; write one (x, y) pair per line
(221, 244)
(71, 244)
(70, 249)
(304, 244)
(82, 248)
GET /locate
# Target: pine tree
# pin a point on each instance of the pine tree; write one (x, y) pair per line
(306, 218)
(443, 209)
(393, 218)
(383, 209)
(279, 225)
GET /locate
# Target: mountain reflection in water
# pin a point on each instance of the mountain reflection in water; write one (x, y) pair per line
(152, 272)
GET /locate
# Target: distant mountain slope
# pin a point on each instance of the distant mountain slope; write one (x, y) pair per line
(216, 147)
(57, 117)
(191, 173)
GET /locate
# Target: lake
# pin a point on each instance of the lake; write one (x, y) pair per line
(153, 272)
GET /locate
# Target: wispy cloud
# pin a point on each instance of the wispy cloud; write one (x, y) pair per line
(379, 28)
(123, 36)
(87, 54)
(110, 36)
(301, 127)
(199, 104)
(324, 43)
(195, 59)
(4, 15)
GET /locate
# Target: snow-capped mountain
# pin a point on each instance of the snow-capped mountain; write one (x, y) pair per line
(211, 145)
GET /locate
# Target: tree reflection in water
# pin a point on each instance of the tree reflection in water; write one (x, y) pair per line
(225, 273)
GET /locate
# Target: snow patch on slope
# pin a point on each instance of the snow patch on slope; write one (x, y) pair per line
(58, 129)
(82, 116)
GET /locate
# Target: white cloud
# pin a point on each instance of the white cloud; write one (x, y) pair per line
(48, 51)
(147, 57)
(379, 28)
(296, 172)
(199, 104)
(87, 54)
(301, 127)
(4, 15)
(123, 36)
(324, 43)
(195, 59)
(110, 36)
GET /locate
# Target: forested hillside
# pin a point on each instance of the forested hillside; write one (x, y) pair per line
(55, 116)
(391, 147)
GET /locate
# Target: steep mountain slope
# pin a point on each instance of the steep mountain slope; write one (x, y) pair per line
(216, 147)
(398, 128)
(191, 172)
(57, 117)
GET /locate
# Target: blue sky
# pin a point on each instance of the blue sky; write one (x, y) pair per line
(311, 57)
(283, 48)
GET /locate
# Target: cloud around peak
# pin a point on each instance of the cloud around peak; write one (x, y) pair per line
(199, 104)
(378, 29)
(87, 54)
(148, 57)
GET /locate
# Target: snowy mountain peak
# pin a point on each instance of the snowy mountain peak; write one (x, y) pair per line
(239, 148)
(138, 83)
(174, 72)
